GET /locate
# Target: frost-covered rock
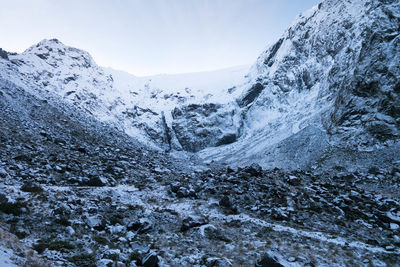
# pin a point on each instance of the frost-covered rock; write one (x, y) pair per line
(140, 106)
(95, 221)
(3, 54)
(328, 86)
(150, 260)
(268, 261)
(336, 70)
(3, 173)
(199, 126)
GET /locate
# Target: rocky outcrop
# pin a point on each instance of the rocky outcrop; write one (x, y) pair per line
(368, 99)
(250, 95)
(335, 69)
(200, 126)
(140, 106)
(3, 54)
(344, 54)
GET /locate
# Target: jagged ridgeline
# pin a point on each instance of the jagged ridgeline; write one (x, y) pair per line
(293, 161)
(333, 76)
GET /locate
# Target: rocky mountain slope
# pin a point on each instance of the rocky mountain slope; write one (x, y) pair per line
(140, 106)
(85, 178)
(329, 83)
(75, 192)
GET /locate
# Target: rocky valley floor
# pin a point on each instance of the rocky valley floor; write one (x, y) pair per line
(212, 217)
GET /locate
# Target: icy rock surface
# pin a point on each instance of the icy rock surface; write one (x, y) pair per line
(76, 192)
(330, 82)
(140, 106)
(337, 69)
(199, 126)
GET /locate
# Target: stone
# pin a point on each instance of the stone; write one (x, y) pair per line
(70, 230)
(225, 202)
(227, 139)
(130, 235)
(193, 221)
(21, 232)
(105, 263)
(116, 229)
(139, 251)
(31, 187)
(3, 199)
(268, 261)
(96, 222)
(394, 226)
(213, 233)
(3, 54)
(293, 180)
(390, 248)
(150, 260)
(162, 170)
(97, 181)
(3, 173)
(181, 191)
(112, 254)
(254, 170)
(218, 262)
(142, 226)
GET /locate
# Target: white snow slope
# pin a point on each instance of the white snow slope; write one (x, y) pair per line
(132, 104)
(310, 81)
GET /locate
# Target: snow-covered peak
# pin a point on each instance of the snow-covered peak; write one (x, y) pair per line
(335, 69)
(56, 54)
(331, 73)
(140, 106)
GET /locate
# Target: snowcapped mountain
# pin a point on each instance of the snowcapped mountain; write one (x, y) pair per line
(331, 82)
(133, 104)
(322, 104)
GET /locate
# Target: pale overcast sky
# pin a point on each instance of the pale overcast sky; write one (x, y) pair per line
(147, 37)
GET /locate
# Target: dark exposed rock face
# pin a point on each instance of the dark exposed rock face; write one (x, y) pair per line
(3, 54)
(227, 139)
(151, 260)
(363, 61)
(251, 95)
(199, 126)
(368, 98)
(331, 82)
(268, 261)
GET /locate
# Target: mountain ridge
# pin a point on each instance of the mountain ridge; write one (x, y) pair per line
(305, 77)
(299, 83)
(101, 168)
